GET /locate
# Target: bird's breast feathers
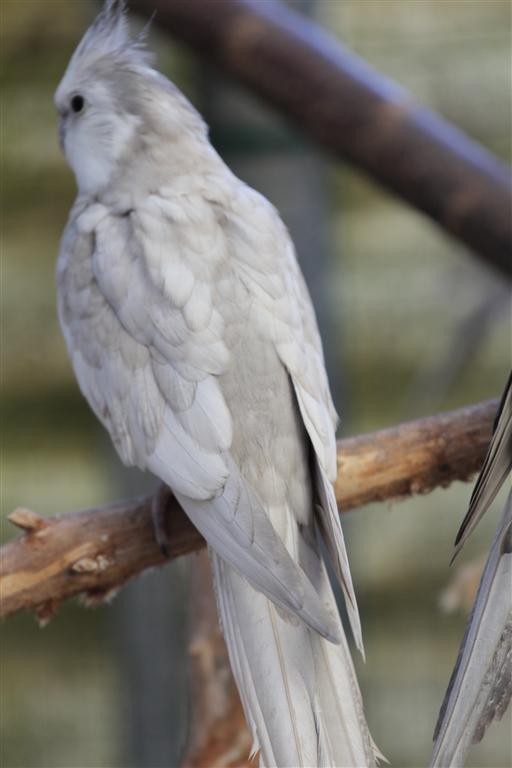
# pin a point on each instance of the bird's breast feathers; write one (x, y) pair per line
(171, 301)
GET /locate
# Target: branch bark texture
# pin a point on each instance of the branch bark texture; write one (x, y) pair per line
(354, 112)
(96, 551)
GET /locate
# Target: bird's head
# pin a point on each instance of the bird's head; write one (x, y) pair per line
(119, 117)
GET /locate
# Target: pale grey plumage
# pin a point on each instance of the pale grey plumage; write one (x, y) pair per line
(480, 688)
(192, 335)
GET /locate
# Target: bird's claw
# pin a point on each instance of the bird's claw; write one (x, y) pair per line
(159, 508)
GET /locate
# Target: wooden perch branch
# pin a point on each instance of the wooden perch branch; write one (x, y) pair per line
(96, 551)
(354, 112)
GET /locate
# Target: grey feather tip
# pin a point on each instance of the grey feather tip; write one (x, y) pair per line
(109, 34)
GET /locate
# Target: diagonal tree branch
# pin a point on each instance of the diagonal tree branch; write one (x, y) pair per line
(96, 551)
(354, 112)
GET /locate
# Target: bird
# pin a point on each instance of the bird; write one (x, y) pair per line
(193, 338)
(480, 687)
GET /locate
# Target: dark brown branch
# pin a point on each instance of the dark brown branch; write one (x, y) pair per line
(96, 551)
(353, 111)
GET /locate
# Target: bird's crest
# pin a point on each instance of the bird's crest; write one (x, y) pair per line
(109, 35)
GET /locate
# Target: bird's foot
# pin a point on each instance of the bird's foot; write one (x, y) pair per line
(159, 517)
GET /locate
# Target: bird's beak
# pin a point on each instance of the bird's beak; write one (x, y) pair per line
(62, 132)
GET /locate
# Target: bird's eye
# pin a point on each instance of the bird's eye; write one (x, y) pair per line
(77, 103)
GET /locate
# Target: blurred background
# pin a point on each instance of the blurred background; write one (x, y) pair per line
(413, 324)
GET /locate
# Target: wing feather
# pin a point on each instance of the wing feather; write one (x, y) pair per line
(165, 407)
(237, 527)
(497, 465)
(285, 314)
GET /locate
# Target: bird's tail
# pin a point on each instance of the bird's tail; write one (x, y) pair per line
(481, 684)
(299, 691)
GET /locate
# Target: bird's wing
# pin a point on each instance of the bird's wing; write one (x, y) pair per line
(126, 330)
(151, 363)
(286, 312)
(481, 684)
(303, 357)
(496, 467)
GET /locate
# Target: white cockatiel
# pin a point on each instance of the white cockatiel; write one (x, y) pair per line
(193, 338)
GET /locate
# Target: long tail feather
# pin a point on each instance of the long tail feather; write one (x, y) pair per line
(298, 690)
(481, 684)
